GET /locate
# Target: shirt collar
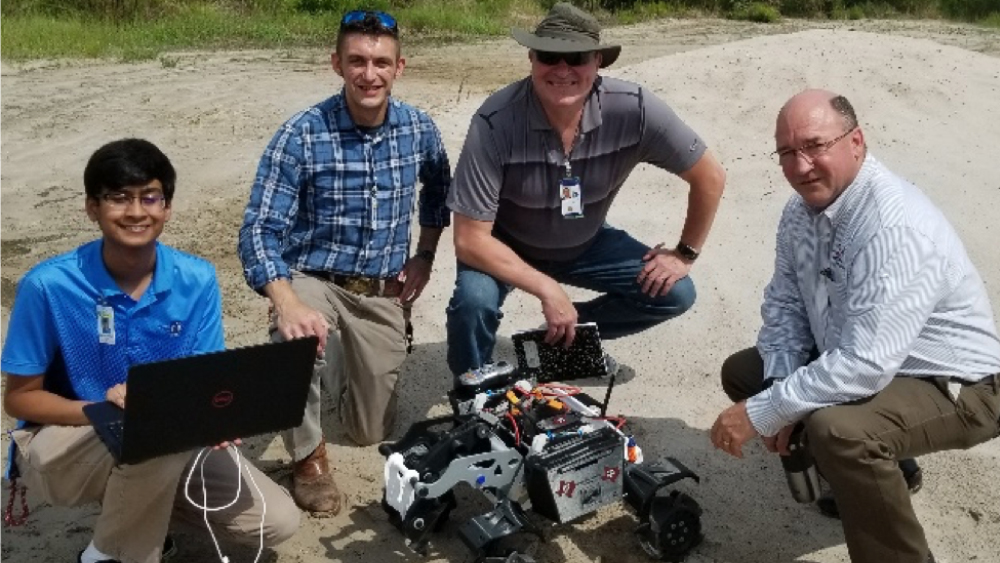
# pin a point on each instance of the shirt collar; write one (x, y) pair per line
(342, 114)
(91, 262)
(846, 203)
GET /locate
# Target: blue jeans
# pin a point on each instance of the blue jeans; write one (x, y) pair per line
(610, 266)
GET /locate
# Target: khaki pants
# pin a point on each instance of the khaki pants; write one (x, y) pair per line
(857, 445)
(70, 466)
(365, 349)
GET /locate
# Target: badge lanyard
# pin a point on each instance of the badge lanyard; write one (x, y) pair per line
(569, 186)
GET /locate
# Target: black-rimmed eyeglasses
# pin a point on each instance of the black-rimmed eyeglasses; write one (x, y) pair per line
(809, 152)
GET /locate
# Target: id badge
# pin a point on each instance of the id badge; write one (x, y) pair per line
(105, 324)
(569, 194)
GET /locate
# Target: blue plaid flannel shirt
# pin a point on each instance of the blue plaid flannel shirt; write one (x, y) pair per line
(331, 197)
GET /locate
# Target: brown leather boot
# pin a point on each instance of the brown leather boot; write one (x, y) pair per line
(313, 487)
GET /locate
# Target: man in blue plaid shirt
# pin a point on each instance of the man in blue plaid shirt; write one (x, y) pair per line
(326, 237)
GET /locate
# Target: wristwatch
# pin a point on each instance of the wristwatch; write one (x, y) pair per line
(687, 251)
(427, 255)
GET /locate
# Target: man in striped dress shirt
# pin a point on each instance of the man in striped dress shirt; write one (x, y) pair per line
(326, 237)
(878, 333)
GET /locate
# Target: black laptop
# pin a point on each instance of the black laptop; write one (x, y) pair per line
(197, 401)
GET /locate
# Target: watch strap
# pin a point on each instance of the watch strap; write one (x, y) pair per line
(427, 255)
(687, 251)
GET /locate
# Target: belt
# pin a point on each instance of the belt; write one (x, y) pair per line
(363, 285)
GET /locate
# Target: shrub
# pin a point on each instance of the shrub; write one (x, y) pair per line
(970, 10)
(756, 12)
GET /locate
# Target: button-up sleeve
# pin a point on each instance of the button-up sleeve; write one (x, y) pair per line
(435, 179)
(271, 213)
(785, 340)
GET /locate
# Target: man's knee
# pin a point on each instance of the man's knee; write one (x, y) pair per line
(367, 432)
(834, 434)
(367, 438)
(683, 295)
(475, 293)
(742, 374)
(676, 302)
(283, 519)
(730, 376)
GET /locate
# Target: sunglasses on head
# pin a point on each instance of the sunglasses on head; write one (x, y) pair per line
(572, 59)
(359, 16)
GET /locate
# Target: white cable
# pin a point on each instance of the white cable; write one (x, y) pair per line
(239, 487)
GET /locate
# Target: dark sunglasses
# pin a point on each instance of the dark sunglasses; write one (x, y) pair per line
(572, 59)
(359, 16)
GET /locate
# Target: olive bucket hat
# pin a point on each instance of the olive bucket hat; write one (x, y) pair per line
(568, 29)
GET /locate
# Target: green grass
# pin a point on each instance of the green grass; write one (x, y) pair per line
(645, 11)
(135, 30)
(205, 26)
(993, 20)
(760, 12)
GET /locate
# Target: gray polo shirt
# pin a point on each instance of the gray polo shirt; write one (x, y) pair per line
(513, 161)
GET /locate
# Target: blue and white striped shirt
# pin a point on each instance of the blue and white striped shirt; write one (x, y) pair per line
(894, 294)
(329, 196)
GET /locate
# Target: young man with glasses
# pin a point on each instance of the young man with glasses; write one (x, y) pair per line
(878, 333)
(543, 160)
(326, 237)
(79, 321)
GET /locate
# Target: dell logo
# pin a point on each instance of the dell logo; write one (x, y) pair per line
(222, 399)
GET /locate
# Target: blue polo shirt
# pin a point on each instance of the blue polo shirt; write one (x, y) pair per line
(73, 323)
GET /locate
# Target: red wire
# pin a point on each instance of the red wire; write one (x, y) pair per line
(567, 389)
(517, 431)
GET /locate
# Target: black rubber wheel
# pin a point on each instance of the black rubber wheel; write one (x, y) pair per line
(672, 528)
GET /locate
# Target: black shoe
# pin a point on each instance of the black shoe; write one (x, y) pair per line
(914, 481)
(169, 550)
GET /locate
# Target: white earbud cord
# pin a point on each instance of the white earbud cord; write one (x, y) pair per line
(239, 487)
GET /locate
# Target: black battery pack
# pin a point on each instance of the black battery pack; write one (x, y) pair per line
(575, 474)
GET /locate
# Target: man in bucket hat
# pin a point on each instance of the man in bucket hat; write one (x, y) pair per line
(542, 162)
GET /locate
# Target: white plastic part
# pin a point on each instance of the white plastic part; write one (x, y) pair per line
(399, 484)
(538, 443)
(479, 402)
(575, 404)
(523, 386)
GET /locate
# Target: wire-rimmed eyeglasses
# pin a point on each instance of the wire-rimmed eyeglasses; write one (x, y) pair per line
(121, 200)
(809, 152)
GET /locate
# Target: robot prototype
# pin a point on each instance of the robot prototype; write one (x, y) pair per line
(544, 448)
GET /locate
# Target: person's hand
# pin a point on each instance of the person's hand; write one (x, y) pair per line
(732, 429)
(560, 316)
(295, 319)
(116, 395)
(223, 445)
(415, 275)
(779, 442)
(662, 269)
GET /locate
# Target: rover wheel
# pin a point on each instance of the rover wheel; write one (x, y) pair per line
(672, 528)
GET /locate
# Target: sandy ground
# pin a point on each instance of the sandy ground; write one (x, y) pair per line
(927, 96)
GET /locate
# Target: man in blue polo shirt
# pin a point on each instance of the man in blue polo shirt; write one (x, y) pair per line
(79, 321)
(326, 237)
